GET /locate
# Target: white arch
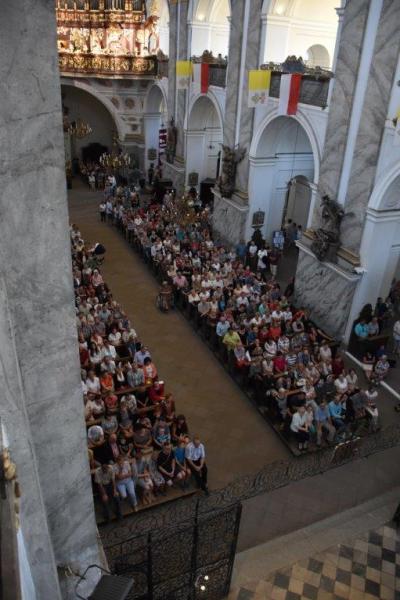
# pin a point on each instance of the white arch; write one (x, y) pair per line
(318, 56)
(215, 7)
(301, 118)
(193, 101)
(106, 103)
(382, 185)
(151, 91)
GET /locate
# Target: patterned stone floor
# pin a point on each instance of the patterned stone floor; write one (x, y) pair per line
(364, 567)
(366, 570)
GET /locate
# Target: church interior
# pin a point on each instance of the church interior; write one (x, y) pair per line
(200, 300)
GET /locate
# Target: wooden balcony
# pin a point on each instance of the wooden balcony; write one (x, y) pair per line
(314, 85)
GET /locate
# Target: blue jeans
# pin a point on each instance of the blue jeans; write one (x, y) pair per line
(126, 487)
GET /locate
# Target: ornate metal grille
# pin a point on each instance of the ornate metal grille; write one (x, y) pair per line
(175, 562)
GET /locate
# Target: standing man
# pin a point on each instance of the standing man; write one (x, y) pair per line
(196, 456)
(150, 173)
(274, 257)
(102, 211)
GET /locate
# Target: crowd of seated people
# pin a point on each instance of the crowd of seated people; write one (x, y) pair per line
(138, 445)
(291, 367)
(371, 343)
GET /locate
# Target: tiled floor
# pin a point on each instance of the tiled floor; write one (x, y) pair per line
(363, 567)
(367, 569)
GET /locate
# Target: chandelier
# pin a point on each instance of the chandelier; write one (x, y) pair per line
(79, 129)
(115, 160)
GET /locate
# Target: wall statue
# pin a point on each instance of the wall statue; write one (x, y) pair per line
(327, 238)
(231, 158)
(172, 140)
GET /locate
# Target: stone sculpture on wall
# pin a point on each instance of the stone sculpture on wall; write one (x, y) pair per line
(231, 158)
(172, 140)
(327, 238)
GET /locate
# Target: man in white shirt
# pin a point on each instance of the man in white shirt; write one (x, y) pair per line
(196, 456)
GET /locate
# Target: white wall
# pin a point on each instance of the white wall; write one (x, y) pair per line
(84, 106)
(268, 181)
(286, 36)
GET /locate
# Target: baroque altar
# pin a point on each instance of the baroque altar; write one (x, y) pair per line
(106, 37)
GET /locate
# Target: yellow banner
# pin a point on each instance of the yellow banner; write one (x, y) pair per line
(259, 82)
(183, 68)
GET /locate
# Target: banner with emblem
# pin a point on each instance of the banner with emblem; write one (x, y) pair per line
(183, 74)
(259, 83)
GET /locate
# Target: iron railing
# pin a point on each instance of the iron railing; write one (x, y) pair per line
(178, 560)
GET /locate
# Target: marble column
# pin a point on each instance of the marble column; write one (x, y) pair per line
(244, 53)
(370, 131)
(177, 99)
(41, 399)
(173, 12)
(229, 218)
(346, 71)
(183, 53)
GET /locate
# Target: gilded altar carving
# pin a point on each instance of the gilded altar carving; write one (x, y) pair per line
(106, 65)
(106, 37)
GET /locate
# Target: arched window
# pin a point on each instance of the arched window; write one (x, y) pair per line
(318, 56)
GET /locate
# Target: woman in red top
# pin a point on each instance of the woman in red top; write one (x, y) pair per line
(280, 363)
(263, 334)
(275, 330)
(111, 402)
(107, 382)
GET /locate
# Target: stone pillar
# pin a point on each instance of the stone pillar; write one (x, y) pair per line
(173, 13)
(372, 123)
(244, 54)
(346, 71)
(183, 53)
(340, 13)
(41, 400)
(177, 99)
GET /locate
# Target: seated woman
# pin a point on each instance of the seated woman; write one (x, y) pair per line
(125, 446)
(144, 480)
(149, 370)
(143, 441)
(180, 460)
(270, 348)
(110, 424)
(242, 359)
(125, 422)
(125, 476)
(111, 403)
(115, 337)
(119, 378)
(161, 436)
(168, 408)
(107, 382)
(179, 429)
(95, 354)
(299, 426)
(280, 366)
